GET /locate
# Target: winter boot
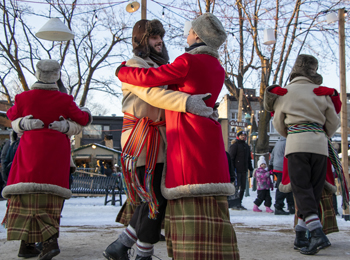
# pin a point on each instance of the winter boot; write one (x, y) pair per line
(291, 210)
(138, 257)
(268, 210)
(300, 240)
(28, 250)
(318, 241)
(50, 248)
(116, 251)
(280, 212)
(256, 208)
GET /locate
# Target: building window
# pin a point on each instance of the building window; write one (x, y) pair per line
(106, 128)
(92, 132)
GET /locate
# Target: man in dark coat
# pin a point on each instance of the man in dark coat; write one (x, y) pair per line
(241, 162)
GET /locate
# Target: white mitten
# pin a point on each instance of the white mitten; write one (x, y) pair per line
(195, 105)
(28, 123)
(60, 126)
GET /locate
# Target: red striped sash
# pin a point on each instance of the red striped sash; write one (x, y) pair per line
(143, 130)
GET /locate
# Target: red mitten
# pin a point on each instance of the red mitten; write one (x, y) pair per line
(324, 91)
(337, 103)
(279, 91)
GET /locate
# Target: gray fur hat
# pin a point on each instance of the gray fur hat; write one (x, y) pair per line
(48, 71)
(306, 66)
(210, 30)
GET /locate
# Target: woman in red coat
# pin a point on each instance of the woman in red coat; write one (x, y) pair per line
(197, 180)
(38, 181)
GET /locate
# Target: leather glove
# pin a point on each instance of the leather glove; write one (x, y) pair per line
(215, 114)
(60, 126)
(324, 91)
(195, 105)
(119, 67)
(279, 91)
(28, 123)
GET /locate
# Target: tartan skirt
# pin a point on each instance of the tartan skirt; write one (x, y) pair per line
(327, 216)
(125, 213)
(33, 217)
(200, 228)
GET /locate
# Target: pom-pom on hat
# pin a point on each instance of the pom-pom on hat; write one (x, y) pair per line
(210, 30)
(261, 161)
(48, 71)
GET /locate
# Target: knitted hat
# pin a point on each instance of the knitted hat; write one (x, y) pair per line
(210, 30)
(261, 161)
(306, 65)
(241, 133)
(141, 32)
(48, 71)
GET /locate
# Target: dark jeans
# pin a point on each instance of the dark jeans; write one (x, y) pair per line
(148, 230)
(263, 195)
(307, 173)
(280, 196)
(241, 183)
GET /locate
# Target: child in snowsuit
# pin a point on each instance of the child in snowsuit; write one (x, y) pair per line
(263, 186)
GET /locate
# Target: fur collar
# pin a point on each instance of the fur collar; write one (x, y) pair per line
(205, 50)
(44, 86)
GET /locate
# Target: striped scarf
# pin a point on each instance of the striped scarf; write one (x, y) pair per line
(333, 155)
(143, 130)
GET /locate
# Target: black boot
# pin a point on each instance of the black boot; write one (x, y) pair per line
(116, 251)
(50, 248)
(281, 212)
(300, 240)
(138, 257)
(291, 210)
(318, 241)
(28, 250)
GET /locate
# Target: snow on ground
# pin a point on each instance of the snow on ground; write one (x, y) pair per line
(81, 211)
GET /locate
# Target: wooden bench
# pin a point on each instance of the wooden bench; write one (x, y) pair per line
(94, 185)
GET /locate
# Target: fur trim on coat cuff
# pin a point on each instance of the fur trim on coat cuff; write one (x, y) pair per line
(85, 109)
(269, 98)
(31, 187)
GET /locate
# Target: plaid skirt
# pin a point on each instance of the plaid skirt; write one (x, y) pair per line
(125, 214)
(33, 217)
(200, 228)
(327, 215)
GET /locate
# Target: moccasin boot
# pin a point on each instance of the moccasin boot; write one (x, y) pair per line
(50, 249)
(300, 240)
(28, 250)
(318, 241)
(116, 251)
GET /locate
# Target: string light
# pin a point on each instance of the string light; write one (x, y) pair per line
(163, 12)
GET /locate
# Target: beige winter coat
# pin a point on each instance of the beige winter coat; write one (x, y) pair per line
(301, 105)
(135, 100)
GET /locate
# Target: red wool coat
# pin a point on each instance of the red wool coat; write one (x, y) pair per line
(196, 159)
(42, 160)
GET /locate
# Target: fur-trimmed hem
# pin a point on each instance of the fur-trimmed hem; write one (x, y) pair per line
(285, 188)
(330, 187)
(31, 187)
(44, 86)
(198, 190)
(269, 98)
(205, 50)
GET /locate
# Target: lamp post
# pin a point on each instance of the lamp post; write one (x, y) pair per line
(247, 118)
(133, 6)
